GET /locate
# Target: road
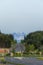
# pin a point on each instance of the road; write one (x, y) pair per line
(24, 60)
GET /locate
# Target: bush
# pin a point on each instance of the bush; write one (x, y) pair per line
(8, 54)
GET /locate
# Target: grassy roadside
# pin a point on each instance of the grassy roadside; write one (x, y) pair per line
(40, 58)
(14, 63)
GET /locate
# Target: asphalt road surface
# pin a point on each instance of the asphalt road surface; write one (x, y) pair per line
(24, 60)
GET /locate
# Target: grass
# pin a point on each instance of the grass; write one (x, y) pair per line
(15, 64)
(1, 58)
(27, 55)
(40, 58)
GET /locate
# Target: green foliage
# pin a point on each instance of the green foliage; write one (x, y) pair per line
(35, 40)
(5, 40)
(31, 47)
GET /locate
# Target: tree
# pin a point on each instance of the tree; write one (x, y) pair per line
(30, 47)
(35, 39)
(5, 40)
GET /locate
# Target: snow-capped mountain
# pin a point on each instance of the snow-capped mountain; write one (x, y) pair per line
(19, 36)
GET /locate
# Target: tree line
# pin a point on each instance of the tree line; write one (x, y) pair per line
(33, 41)
(6, 40)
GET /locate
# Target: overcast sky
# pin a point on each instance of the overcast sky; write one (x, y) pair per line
(21, 15)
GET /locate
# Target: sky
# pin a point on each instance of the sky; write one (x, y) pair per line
(21, 15)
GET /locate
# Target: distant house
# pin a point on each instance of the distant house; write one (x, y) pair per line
(4, 51)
